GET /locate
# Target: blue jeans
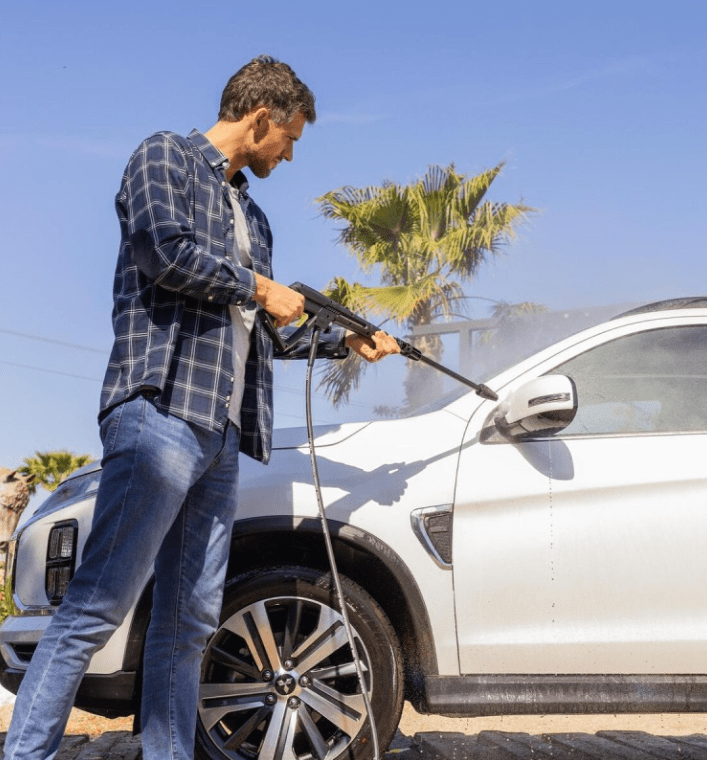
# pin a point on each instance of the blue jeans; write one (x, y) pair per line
(167, 497)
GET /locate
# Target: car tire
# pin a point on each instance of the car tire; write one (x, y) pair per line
(278, 677)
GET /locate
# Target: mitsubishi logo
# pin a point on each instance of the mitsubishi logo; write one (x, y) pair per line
(285, 684)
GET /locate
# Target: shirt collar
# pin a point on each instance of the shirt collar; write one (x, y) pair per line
(210, 152)
(240, 182)
(217, 160)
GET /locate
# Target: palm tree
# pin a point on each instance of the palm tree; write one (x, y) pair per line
(507, 317)
(51, 467)
(425, 239)
(14, 497)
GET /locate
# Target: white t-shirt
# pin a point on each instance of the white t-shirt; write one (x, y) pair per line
(242, 318)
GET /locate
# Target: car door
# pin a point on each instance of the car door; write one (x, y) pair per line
(584, 552)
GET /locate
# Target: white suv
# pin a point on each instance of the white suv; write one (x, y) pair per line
(540, 553)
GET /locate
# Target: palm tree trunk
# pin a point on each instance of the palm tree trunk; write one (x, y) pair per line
(14, 497)
(423, 384)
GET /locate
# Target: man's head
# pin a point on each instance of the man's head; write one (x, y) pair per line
(266, 82)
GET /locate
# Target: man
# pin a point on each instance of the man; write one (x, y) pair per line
(188, 385)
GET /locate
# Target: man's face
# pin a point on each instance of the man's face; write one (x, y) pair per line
(273, 143)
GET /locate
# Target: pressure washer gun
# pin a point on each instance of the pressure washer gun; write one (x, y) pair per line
(322, 312)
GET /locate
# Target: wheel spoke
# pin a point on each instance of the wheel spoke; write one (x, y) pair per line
(230, 691)
(280, 734)
(328, 617)
(216, 700)
(253, 626)
(294, 620)
(232, 661)
(263, 638)
(237, 738)
(345, 711)
(314, 736)
(337, 671)
(320, 645)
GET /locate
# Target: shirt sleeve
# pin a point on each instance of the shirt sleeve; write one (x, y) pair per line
(332, 344)
(157, 198)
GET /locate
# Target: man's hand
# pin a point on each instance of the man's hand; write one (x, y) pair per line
(372, 349)
(282, 303)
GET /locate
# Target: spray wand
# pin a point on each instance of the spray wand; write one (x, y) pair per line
(322, 312)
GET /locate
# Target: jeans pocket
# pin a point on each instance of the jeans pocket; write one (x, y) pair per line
(109, 428)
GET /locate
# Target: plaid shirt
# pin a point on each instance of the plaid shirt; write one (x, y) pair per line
(174, 282)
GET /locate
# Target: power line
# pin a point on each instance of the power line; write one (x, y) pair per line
(53, 341)
(278, 388)
(50, 371)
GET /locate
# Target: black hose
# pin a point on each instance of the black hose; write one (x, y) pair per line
(330, 548)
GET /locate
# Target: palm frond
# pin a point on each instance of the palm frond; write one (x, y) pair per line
(423, 240)
(508, 315)
(347, 294)
(472, 191)
(504, 310)
(50, 468)
(341, 378)
(400, 302)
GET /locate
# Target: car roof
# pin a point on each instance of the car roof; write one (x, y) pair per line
(693, 302)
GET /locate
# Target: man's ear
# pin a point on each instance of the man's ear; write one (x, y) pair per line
(260, 123)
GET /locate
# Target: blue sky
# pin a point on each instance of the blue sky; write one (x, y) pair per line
(598, 110)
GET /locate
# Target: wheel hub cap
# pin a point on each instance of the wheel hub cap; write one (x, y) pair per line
(285, 684)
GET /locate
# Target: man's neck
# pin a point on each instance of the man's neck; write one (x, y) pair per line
(230, 138)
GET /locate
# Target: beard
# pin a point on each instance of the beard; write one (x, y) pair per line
(261, 166)
(260, 169)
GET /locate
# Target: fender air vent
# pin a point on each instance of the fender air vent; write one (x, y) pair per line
(433, 528)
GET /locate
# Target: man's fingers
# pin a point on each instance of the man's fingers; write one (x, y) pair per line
(372, 349)
(384, 345)
(282, 303)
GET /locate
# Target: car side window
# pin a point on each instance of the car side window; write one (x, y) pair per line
(648, 382)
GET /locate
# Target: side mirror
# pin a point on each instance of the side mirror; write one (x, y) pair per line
(543, 406)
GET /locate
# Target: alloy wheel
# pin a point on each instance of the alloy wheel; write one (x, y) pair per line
(279, 682)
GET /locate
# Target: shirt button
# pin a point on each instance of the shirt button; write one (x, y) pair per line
(233, 221)
(228, 398)
(210, 298)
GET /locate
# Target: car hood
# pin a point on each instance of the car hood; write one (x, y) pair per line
(84, 481)
(325, 435)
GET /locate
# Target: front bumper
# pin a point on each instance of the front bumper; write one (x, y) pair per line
(108, 694)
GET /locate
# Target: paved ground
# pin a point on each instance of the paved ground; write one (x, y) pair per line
(605, 745)
(487, 745)
(604, 737)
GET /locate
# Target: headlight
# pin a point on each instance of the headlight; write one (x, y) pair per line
(61, 559)
(10, 561)
(8, 586)
(74, 488)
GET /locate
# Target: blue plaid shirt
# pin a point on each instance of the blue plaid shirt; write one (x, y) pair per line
(174, 282)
